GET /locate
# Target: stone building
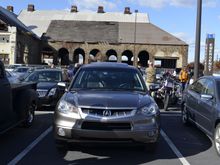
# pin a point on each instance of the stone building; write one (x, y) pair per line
(18, 44)
(74, 36)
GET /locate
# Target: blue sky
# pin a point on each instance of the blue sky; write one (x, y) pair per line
(177, 17)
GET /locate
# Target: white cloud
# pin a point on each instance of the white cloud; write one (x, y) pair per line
(92, 5)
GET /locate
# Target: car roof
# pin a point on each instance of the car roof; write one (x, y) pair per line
(212, 77)
(50, 70)
(108, 65)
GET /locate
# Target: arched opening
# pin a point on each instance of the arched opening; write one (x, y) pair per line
(111, 55)
(129, 55)
(143, 58)
(79, 56)
(94, 52)
(47, 56)
(63, 55)
(96, 55)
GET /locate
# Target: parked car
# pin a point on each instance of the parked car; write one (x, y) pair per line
(201, 105)
(47, 85)
(107, 102)
(17, 101)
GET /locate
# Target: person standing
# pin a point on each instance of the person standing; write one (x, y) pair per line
(150, 75)
(183, 77)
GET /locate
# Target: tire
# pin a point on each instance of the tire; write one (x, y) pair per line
(30, 115)
(26, 107)
(184, 115)
(166, 101)
(217, 139)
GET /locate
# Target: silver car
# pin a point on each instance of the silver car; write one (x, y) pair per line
(107, 102)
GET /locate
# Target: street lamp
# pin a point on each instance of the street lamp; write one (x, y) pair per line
(135, 27)
(198, 36)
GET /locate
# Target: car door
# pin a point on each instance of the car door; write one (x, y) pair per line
(192, 97)
(5, 98)
(206, 106)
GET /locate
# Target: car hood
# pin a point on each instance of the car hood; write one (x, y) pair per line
(46, 85)
(108, 98)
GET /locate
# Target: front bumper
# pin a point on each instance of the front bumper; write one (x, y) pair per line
(143, 129)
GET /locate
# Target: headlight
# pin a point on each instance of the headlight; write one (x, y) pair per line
(52, 92)
(149, 110)
(66, 107)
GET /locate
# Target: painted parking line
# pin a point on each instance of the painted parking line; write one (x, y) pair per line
(173, 147)
(30, 147)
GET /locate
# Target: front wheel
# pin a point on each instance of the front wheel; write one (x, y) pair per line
(184, 114)
(217, 139)
(29, 118)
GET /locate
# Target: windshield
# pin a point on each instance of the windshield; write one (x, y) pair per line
(21, 69)
(44, 76)
(111, 79)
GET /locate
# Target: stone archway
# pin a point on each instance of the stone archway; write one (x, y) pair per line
(111, 55)
(127, 54)
(63, 55)
(143, 57)
(79, 56)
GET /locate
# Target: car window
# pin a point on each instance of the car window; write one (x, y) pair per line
(209, 88)
(45, 76)
(198, 86)
(113, 79)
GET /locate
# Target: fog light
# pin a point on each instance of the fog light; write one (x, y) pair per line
(61, 132)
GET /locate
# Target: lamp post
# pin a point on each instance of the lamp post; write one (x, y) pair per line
(198, 36)
(135, 29)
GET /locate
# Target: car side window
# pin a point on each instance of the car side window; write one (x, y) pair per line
(209, 88)
(199, 86)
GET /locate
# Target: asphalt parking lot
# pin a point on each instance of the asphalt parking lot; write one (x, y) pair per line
(178, 144)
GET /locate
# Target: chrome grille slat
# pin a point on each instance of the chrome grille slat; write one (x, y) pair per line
(114, 112)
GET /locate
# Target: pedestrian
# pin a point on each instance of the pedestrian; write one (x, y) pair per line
(150, 74)
(70, 71)
(183, 77)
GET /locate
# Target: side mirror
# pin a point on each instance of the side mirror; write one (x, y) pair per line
(206, 97)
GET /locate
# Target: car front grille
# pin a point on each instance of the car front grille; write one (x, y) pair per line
(106, 126)
(107, 112)
(41, 93)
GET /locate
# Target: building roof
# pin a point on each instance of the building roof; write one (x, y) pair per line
(38, 21)
(83, 31)
(109, 32)
(11, 19)
(146, 33)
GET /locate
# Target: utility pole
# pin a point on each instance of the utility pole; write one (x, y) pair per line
(198, 36)
(135, 33)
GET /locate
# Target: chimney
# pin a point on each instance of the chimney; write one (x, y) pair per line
(100, 9)
(127, 10)
(73, 9)
(30, 8)
(10, 8)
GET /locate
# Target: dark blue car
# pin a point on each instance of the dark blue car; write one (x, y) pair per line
(201, 105)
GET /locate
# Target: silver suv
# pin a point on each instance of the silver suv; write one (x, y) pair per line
(107, 102)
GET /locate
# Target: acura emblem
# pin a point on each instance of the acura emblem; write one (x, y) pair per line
(107, 113)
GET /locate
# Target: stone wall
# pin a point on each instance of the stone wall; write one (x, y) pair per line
(162, 51)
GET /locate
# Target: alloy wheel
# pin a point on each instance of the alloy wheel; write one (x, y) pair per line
(217, 139)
